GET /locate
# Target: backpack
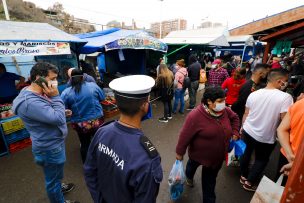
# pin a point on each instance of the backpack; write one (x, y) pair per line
(187, 82)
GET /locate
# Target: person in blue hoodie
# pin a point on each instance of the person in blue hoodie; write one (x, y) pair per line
(42, 111)
(84, 98)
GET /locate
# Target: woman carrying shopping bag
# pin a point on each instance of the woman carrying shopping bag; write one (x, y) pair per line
(164, 82)
(84, 98)
(206, 133)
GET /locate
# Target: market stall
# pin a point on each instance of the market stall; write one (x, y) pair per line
(184, 42)
(22, 44)
(118, 52)
(242, 45)
(121, 52)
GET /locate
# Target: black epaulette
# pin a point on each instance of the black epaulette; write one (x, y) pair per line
(149, 147)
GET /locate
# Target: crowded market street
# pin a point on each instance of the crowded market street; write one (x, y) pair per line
(19, 169)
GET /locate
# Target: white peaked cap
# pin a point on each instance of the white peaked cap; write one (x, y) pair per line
(133, 85)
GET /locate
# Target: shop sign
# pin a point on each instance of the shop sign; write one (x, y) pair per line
(139, 41)
(33, 48)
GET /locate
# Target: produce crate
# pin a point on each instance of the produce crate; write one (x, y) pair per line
(110, 114)
(12, 125)
(17, 136)
(17, 146)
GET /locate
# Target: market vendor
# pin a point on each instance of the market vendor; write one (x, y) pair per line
(9, 89)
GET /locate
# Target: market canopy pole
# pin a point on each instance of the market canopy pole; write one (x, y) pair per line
(5, 10)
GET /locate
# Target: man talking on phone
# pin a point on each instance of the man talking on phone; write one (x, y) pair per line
(43, 113)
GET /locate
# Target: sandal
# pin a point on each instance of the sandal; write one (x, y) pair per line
(242, 180)
(249, 187)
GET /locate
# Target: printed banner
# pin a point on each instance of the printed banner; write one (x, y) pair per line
(33, 48)
(138, 41)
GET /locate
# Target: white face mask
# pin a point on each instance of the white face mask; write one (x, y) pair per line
(54, 83)
(214, 66)
(283, 87)
(219, 107)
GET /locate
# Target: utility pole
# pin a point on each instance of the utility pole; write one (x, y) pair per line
(160, 23)
(5, 10)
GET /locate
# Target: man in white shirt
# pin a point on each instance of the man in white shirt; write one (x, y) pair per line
(264, 110)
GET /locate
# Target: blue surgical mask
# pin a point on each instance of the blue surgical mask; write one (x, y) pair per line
(148, 114)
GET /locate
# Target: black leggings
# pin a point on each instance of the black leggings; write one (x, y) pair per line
(209, 175)
(167, 108)
(85, 141)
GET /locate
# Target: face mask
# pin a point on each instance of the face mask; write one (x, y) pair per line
(54, 83)
(219, 107)
(214, 66)
(148, 114)
(283, 87)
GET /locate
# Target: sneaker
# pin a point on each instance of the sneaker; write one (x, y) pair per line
(249, 187)
(243, 180)
(170, 117)
(70, 201)
(189, 182)
(164, 120)
(67, 187)
(190, 108)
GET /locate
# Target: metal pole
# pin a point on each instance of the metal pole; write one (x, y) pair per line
(241, 64)
(160, 24)
(5, 10)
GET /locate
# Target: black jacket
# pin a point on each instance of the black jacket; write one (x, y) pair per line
(194, 71)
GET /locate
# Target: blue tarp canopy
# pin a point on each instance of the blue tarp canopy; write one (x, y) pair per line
(116, 38)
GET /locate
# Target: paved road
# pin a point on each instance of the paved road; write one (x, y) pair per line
(22, 181)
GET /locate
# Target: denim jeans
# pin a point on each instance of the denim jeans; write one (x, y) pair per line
(192, 93)
(262, 154)
(209, 175)
(179, 95)
(52, 162)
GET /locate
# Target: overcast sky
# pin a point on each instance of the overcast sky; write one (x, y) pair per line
(233, 12)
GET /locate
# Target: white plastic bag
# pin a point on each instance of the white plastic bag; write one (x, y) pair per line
(201, 87)
(268, 191)
(231, 158)
(176, 180)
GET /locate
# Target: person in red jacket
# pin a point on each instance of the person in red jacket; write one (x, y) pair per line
(207, 140)
(233, 85)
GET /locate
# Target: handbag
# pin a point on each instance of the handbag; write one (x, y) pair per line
(268, 191)
(203, 76)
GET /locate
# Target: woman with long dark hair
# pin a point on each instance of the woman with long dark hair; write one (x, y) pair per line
(83, 98)
(164, 82)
